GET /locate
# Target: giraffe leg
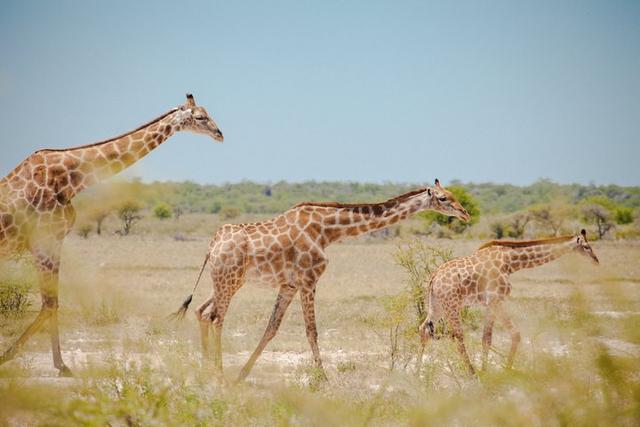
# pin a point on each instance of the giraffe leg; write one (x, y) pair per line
(487, 335)
(48, 267)
(285, 295)
(35, 326)
(307, 298)
(505, 319)
(203, 314)
(458, 336)
(426, 330)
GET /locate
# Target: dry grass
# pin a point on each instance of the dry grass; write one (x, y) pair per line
(578, 363)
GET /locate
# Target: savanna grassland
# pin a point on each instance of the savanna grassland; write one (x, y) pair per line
(578, 364)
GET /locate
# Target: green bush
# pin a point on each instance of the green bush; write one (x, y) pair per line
(466, 200)
(229, 212)
(14, 298)
(162, 211)
(624, 216)
(85, 229)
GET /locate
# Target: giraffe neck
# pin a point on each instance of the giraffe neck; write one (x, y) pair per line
(534, 256)
(85, 166)
(355, 220)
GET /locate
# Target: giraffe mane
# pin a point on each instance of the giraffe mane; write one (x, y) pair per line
(393, 200)
(94, 144)
(526, 243)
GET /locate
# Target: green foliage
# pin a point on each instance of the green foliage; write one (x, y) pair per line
(229, 212)
(404, 312)
(162, 211)
(420, 260)
(252, 198)
(466, 200)
(603, 201)
(498, 229)
(128, 212)
(14, 297)
(624, 215)
(84, 229)
(598, 210)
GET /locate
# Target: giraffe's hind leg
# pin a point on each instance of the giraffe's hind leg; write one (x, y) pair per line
(505, 319)
(203, 314)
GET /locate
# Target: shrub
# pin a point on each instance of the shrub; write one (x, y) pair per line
(99, 215)
(14, 298)
(128, 212)
(454, 224)
(624, 215)
(229, 212)
(162, 211)
(498, 229)
(85, 229)
(404, 311)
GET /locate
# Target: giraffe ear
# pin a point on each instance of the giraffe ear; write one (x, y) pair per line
(584, 233)
(190, 101)
(437, 182)
(429, 192)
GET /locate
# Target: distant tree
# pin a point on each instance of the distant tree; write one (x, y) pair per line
(162, 211)
(466, 200)
(99, 215)
(624, 215)
(550, 217)
(517, 224)
(215, 207)
(598, 210)
(229, 212)
(498, 229)
(128, 212)
(177, 212)
(85, 229)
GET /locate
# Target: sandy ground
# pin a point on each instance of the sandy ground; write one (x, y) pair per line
(116, 293)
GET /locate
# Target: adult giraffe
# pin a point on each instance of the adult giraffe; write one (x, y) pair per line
(35, 201)
(287, 252)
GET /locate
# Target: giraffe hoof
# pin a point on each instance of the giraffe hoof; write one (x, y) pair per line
(65, 372)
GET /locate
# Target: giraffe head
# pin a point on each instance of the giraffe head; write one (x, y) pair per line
(197, 120)
(582, 246)
(445, 203)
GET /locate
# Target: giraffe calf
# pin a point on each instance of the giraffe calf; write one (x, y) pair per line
(483, 279)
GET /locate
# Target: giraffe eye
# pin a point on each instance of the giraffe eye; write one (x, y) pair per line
(200, 117)
(442, 199)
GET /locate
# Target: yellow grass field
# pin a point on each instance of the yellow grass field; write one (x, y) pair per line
(578, 364)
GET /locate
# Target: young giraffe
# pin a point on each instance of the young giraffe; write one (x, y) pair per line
(288, 252)
(483, 278)
(35, 201)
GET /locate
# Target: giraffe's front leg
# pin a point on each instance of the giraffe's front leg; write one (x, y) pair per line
(307, 298)
(456, 333)
(504, 318)
(487, 335)
(285, 295)
(48, 264)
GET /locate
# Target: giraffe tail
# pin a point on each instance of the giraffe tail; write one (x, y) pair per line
(185, 305)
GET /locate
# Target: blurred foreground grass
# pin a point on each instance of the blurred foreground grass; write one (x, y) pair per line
(579, 362)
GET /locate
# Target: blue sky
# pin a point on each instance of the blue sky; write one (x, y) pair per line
(501, 91)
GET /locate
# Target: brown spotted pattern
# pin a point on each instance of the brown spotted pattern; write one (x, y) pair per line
(35, 200)
(288, 252)
(483, 278)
